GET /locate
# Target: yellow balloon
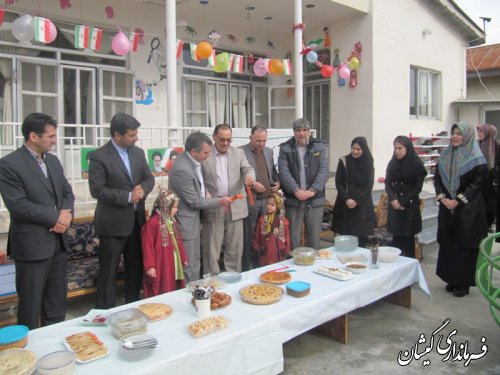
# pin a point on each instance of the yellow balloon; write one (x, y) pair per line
(276, 66)
(353, 63)
(221, 61)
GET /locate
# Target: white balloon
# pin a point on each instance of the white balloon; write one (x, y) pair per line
(23, 28)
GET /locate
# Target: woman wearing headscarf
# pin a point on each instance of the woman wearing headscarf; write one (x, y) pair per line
(353, 211)
(461, 220)
(487, 137)
(404, 178)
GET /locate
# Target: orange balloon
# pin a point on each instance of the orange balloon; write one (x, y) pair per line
(204, 50)
(276, 66)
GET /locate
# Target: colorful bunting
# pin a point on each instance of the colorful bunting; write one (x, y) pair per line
(237, 66)
(88, 37)
(2, 11)
(180, 47)
(287, 67)
(134, 41)
(211, 59)
(42, 30)
(95, 37)
(194, 56)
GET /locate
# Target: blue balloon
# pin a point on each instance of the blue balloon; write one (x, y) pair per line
(312, 57)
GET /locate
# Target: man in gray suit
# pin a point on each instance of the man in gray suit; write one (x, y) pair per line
(186, 180)
(40, 201)
(120, 180)
(225, 172)
(261, 159)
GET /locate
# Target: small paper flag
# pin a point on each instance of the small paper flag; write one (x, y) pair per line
(237, 64)
(81, 36)
(95, 37)
(134, 41)
(230, 62)
(180, 46)
(194, 56)
(42, 29)
(1, 16)
(287, 67)
(211, 58)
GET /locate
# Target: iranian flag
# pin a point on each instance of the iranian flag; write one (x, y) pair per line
(82, 36)
(230, 63)
(2, 11)
(287, 67)
(95, 37)
(192, 48)
(180, 46)
(237, 64)
(211, 58)
(42, 29)
(134, 41)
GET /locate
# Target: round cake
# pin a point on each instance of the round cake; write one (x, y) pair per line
(261, 294)
(275, 277)
(155, 311)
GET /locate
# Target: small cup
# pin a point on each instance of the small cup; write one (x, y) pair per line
(374, 257)
(202, 308)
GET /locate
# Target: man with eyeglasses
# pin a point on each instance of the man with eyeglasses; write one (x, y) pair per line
(303, 168)
(225, 172)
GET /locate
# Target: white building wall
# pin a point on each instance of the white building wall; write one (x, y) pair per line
(399, 42)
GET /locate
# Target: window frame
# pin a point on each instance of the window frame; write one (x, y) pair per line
(430, 109)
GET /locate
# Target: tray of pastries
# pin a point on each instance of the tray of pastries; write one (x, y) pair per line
(155, 311)
(219, 300)
(86, 346)
(275, 277)
(261, 294)
(206, 326)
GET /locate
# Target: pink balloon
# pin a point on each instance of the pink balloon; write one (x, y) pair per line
(120, 44)
(344, 72)
(327, 71)
(52, 32)
(260, 67)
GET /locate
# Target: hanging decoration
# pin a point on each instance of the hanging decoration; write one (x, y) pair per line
(88, 37)
(134, 41)
(190, 30)
(65, 4)
(23, 28)
(221, 62)
(110, 13)
(213, 37)
(327, 71)
(353, 63)
(180, 47)
(353, 81)
(344, 72)
(45, 30)
(194, 55)
(120, 44)
(260, 67)
(232, 38)
(270, 45)
(237, 66)
(2, 12)
(328, 41)
(312, 57)
(287, 67)
(250, 40)
(204, 50)
(211, 58)
(275, 66)
(336, 59)
(140, 32)
(10, 2)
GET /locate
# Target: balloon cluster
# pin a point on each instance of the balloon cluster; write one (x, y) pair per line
(274, 66)
(23, 29)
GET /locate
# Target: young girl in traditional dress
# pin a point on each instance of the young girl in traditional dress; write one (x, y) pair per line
(272, 236)
(162, 247)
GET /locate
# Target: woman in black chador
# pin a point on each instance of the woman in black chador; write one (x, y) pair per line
(353, 212)
(404, 178)
(462, 217)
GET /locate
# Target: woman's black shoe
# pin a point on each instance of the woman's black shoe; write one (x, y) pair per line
(449, 288)
(460, 292)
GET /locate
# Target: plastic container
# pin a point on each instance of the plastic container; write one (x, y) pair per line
(15, 336)
(304, 256)
(57, 363)
(298, 289)
(136, 354)
(346, 243)
(388, 254)
(128, 322)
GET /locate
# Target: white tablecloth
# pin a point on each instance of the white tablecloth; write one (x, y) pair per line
(253, 342)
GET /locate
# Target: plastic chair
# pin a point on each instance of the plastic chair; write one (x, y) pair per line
(485, 266)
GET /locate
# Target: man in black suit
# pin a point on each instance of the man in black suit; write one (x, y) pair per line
(120, 180)
(40, 201)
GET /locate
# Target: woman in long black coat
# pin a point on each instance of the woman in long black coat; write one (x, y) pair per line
(487, 138)
(353, 211)
(404, 178)
(462, 218)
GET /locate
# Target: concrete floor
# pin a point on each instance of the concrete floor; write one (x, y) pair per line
(377, 333)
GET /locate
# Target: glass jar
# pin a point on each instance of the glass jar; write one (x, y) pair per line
(304, 256)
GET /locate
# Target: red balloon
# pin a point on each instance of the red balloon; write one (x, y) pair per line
(327, 71)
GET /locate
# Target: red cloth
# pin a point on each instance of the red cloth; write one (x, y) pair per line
(161, 258)
(269, 247)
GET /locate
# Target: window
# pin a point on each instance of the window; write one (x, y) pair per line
(424, 93)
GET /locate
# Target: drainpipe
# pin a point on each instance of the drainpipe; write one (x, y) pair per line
(170, 23)
(299, 81)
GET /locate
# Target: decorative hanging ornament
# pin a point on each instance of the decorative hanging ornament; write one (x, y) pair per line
(120, 44)
(23, 28)
(326, 71)
(312, 57)
(353, 63)
(45, 30)
(276, 66)
(65, 4)
(204, 50)
(260, 67)
(344, 72)
(221, 62)
(213, 37)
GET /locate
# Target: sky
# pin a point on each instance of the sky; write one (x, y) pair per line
(484, 8)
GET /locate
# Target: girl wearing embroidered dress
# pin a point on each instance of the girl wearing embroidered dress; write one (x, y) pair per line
(272, 236)
(462, 219)
(162, 247)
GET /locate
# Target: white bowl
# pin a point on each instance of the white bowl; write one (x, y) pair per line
(346, 243)
(57, 363)
(356, 267)
(388, 254)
